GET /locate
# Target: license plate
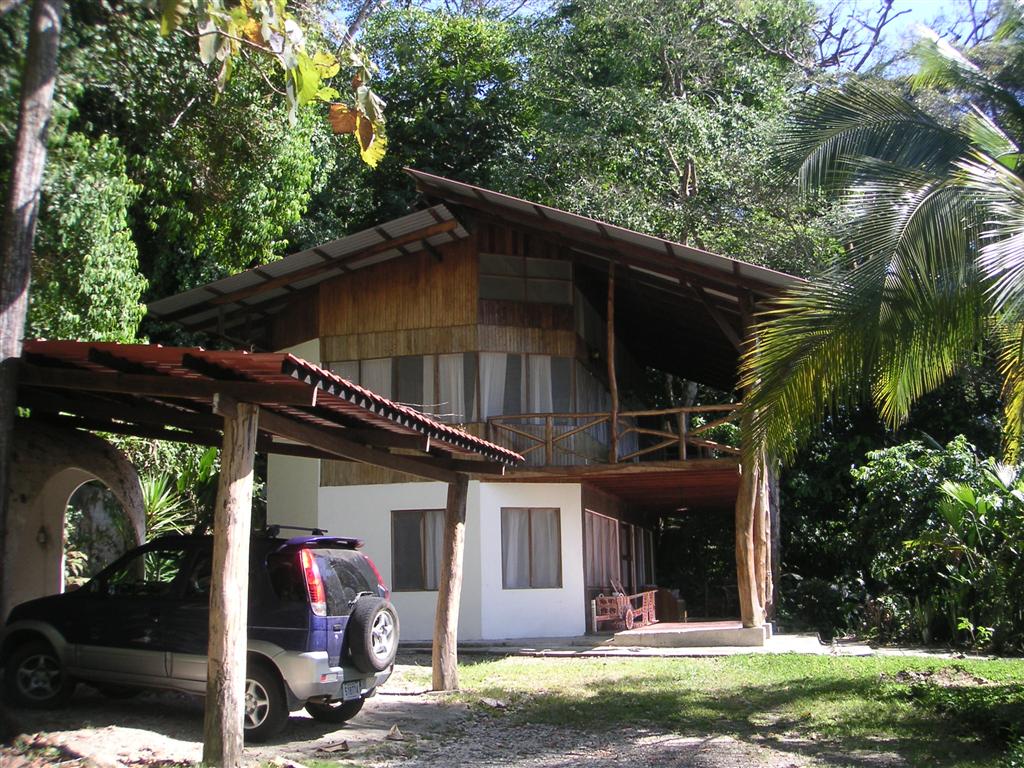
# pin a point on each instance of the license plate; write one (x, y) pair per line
(351, 690)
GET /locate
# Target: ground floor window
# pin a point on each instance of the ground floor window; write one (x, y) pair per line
(531, 548)
(416, 536)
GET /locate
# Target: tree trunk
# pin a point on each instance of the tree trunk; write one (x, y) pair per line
(445, 657)
(749, 573)
(19, 226)
(776, 538)
(229, 587)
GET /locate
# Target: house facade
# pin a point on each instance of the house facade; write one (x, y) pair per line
(545, 332)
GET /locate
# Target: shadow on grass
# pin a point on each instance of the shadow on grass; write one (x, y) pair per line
(841, 718)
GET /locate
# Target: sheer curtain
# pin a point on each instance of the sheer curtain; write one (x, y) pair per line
(540, 400)
(376, 376)
(433, 537)
(429, 396)
(452, 394)
(546, 544)
(492, 383)
(515, 542)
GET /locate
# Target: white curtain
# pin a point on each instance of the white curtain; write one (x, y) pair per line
(376, 376)
(540, 400)
(429, 398)
(433, 537)
(452, 395)
(493, 366)
(602, 550)
(547, 548)
(515, 542)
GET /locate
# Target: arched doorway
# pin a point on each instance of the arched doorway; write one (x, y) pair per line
(51, 464)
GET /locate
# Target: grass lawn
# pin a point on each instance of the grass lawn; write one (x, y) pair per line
(928, 711)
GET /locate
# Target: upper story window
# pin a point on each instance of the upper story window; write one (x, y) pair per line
(517, 278)
(443, 386)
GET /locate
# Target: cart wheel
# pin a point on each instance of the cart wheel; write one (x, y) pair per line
(629, 619)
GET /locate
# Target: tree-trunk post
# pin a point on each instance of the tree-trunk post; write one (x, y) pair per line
(445, 657)
(751, 609)
(613, 384)
(19, 228)
(776, 537)
(229, 587)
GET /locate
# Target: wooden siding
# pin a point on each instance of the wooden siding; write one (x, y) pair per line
(415, 291)
(514, 313)
(527, 341)
(417, 341)
(297, 322)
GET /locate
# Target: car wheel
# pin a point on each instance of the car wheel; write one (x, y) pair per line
(35, 678)
(373, 634)
(266, 712)
(334, 711)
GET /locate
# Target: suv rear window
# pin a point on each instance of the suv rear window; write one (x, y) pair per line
(345, 574)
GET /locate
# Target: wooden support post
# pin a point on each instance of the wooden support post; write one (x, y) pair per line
(446, 620)
(775, 539)
(229, 587)
(613, 384)
(752, 551)
(683, 420)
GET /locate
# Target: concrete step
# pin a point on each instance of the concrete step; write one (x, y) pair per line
(692, 635)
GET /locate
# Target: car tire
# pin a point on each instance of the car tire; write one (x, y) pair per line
(264, 704)
(334, 711)
(373, 634)
(35, 678)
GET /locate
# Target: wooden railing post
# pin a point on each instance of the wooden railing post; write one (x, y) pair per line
(682, 435)
(549, 441)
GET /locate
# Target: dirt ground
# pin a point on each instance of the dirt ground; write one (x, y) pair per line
(157, 730)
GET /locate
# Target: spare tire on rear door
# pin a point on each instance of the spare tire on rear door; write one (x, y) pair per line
(373, 634)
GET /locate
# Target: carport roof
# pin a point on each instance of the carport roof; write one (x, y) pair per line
(168, 393)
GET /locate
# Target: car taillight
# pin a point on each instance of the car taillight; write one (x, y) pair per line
(314, 584)
(380, 581)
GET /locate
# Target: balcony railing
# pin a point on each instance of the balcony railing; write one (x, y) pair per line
(568, 439)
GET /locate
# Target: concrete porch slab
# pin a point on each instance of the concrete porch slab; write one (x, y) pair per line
(697, 634)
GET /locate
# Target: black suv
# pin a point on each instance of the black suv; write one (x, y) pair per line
(322, 633)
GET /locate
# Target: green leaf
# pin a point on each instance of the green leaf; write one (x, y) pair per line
(172, 14)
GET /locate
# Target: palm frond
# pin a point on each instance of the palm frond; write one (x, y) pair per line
(1010, 338)
(835, 126)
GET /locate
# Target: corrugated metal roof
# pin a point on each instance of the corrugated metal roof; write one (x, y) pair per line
(729, 269)
(328, 395)
(335, 256)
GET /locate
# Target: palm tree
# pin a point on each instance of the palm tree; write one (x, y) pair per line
(934, 245)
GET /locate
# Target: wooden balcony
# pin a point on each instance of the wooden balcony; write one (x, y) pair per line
(581, 439)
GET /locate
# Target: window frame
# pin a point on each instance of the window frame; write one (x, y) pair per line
(422, 513)
(529, 548)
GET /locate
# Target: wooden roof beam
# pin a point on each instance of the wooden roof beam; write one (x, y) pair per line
(326, 440)
(161, 386)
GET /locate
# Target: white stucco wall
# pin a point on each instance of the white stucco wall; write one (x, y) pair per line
(292, 482)
(511, 613)
(365, 511)
(487, 610)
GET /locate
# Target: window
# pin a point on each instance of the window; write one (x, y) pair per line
(601, 541)
(531, 548)
(147, 574)
(416, 536)
(514, 278)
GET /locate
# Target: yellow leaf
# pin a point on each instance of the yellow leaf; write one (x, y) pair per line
(373, 144)
(341, 118)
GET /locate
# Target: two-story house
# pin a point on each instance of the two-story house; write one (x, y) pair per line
(539, 330)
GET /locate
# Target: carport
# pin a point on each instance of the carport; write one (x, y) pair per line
(248, 403)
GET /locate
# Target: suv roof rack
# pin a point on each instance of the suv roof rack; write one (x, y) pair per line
(273, 530)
